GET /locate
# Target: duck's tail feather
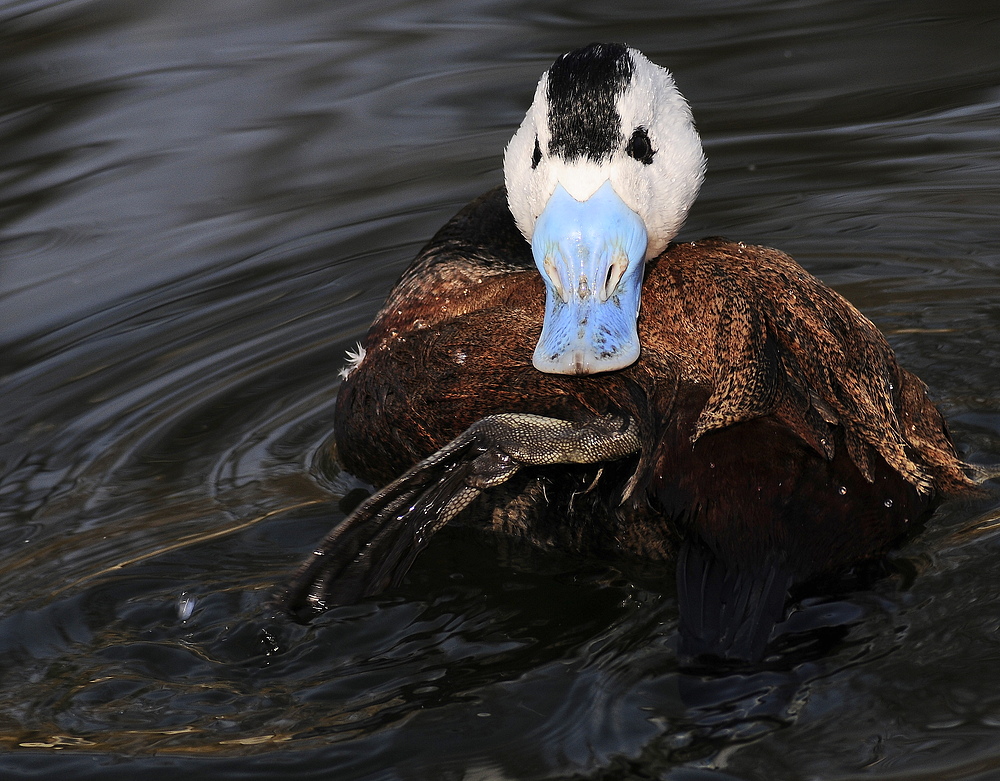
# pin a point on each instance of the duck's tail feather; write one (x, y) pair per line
(726, 611)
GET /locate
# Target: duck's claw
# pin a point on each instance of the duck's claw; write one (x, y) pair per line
(374, 547)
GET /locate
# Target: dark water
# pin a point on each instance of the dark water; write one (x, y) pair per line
(204, 203)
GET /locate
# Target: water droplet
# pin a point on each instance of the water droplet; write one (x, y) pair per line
(888, 502)
(711, 465)
(185, 606)
(842, 490)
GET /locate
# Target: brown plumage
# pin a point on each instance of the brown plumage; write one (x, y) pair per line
(768, 436)
(777, 425)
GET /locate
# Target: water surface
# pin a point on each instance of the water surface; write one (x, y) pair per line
(203, 205)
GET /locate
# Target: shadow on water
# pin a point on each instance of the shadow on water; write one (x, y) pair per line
(201, 208)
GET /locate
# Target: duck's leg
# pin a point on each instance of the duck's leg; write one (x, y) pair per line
(375, 546)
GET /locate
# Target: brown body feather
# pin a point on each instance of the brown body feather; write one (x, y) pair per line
(776, 422)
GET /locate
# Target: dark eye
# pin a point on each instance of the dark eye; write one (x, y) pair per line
(639, 147)
(536, 156)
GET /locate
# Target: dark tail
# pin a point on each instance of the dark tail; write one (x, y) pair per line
(727, 611)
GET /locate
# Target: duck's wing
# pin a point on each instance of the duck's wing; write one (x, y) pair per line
(375, 546)
(774, 340)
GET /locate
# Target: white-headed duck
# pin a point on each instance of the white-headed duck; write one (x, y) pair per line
(745, 421)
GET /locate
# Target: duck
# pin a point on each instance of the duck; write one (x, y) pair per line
(554, 366)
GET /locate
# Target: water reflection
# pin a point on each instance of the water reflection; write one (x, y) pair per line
(204, 204)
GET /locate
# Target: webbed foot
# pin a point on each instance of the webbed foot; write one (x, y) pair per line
(373, 548)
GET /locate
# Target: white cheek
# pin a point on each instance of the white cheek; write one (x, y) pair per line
(519, 177)
(528, 188)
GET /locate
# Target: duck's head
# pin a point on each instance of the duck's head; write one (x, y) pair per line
(600, 176)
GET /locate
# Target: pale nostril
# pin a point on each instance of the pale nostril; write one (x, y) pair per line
(616, 270)
(555, 278)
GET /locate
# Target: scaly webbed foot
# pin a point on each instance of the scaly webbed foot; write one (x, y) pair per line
(374, 547)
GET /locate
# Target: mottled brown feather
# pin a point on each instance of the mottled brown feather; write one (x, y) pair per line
(775, 416)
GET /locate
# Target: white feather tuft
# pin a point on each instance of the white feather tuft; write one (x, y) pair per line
(354, 359)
